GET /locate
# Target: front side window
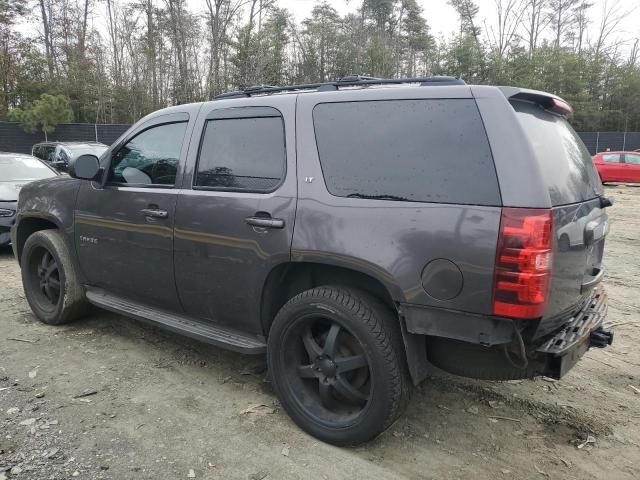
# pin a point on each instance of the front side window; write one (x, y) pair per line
(407, 150)
(149, 158)
(611, 158)
(245, 154)
(632, 158)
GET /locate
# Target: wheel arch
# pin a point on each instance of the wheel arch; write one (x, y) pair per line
(27, 226)
(287, 280)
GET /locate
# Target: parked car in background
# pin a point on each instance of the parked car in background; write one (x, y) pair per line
(426, 228)
(16, 170)
(44, 151)
(59, 154)
(619, 166)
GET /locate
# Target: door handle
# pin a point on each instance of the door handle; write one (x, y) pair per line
(265, 222)
(154, 212)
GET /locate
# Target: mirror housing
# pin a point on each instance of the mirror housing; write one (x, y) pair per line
(85, 167)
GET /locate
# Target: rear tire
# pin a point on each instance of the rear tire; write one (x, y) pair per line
(49, 279)
(335, 363)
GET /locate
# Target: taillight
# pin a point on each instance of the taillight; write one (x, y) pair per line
(523, 263)
(561, 107)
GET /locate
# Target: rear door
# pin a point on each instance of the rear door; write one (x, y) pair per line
(235, 216)
(574, 188)
(632, 166)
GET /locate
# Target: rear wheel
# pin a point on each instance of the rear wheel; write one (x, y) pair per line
(336, 366)
(49, 279)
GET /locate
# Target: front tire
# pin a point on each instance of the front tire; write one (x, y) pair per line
(337, 366)
(49, 279)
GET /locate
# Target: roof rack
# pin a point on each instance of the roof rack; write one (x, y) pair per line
(350, 81)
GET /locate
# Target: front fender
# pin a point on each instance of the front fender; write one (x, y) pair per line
(46, 204)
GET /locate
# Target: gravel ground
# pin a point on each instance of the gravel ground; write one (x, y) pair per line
(110, 398)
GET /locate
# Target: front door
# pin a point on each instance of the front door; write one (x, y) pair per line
(124, 228)
(612, 167)
(234, 218)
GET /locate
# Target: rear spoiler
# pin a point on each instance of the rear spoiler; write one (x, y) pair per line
(546, 100)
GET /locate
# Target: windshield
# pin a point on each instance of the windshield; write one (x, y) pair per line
(566, 165)
(23, 168)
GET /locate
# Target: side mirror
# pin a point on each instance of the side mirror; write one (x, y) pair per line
(86, 167)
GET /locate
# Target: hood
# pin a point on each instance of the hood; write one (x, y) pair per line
(9, 190)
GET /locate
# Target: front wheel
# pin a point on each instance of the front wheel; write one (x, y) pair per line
(337, 366)
(49, 279)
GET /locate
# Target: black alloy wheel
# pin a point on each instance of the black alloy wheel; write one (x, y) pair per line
(44, 274)
(337, 364)
(49, 278)
(331, 369)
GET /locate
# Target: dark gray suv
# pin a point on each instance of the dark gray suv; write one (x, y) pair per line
(355, 231)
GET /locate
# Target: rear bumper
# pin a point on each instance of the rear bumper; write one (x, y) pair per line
(582, 331)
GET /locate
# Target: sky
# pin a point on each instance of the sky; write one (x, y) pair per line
(440, 16)
(443, 20)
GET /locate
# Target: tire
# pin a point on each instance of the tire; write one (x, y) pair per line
(49, 279)
(355, 385)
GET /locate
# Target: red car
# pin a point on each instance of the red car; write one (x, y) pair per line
(618, 166)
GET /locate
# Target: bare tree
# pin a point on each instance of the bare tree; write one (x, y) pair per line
(509, 14)
(534, 22)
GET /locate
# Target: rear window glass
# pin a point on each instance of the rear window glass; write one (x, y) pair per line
(567, 167)
(415, 150)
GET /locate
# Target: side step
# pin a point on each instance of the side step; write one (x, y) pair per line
(207, 332)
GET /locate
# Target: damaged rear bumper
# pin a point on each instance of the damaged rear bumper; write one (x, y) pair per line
(583, 331)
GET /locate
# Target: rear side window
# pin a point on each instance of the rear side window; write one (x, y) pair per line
(415, 150)
(632, 158)
(246, 154)
(566, 165)
(611, 158)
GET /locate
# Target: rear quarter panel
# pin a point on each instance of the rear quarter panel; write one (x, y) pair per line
(391, 241)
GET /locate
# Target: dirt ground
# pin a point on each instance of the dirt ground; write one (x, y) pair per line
(110, 398)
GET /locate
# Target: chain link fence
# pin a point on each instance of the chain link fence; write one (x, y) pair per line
(603, 141)
(14, 139)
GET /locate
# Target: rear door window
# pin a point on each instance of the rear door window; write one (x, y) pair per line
(414, 150)
(611, 157)
(632, 158)
(242, 154)
(565, 163)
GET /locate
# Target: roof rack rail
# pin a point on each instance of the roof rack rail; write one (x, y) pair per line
(349, 81)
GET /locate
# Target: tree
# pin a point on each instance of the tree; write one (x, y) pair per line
(157, 53)
(562, 17)
(44, 114)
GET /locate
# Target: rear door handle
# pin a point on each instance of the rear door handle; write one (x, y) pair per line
(265, 222)
(154, 212)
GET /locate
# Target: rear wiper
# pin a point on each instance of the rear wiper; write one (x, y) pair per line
(378, 197)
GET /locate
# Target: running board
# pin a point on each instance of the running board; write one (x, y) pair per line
(206, 332)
